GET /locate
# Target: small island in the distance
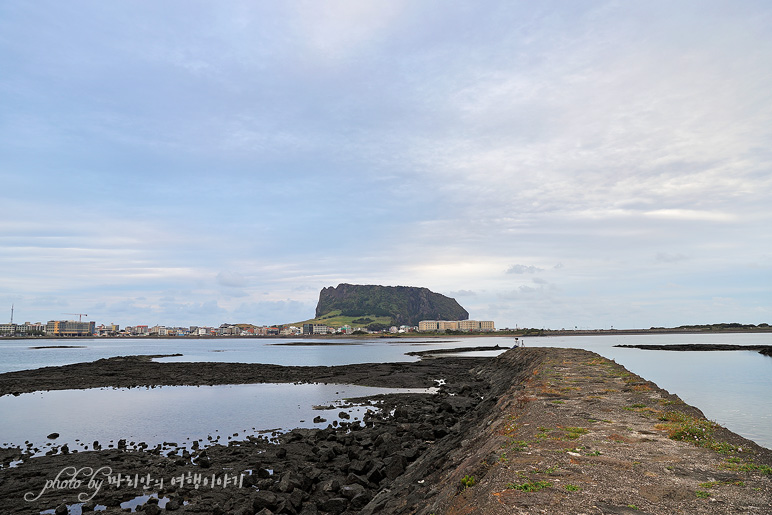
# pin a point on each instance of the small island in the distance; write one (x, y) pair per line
(761, 349)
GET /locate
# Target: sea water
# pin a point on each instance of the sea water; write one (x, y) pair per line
(731, 387)
(176, 416)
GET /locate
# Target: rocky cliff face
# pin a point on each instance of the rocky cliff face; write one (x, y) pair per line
(406, 305)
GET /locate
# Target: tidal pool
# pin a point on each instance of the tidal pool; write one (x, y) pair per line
(174, 416)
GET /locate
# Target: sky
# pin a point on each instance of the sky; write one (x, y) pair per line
(556, 164)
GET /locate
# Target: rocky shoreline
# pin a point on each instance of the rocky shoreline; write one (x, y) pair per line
(533, 431)
(139, 371)
(445, 352)
(766, 350)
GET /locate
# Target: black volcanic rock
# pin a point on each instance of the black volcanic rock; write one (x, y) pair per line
(406, 305)
(766, 350)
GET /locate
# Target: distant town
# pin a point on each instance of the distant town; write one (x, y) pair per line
(79, 328)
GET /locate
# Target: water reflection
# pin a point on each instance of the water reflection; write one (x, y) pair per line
(174, 416)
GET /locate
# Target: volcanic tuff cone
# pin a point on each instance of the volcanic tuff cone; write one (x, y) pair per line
(406, 305)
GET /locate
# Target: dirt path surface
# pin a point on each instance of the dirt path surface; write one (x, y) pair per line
(535, 430)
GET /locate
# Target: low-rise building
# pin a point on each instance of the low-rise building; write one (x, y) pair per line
(487, 326)
(456, 325)
(70, 328)
(8, 329)
(229, 330)
(25, 329)
(316, 329)
(428, 325)
(107, 330)
(468, 325)
(36, 329)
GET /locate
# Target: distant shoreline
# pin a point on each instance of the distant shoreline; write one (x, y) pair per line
(766, 350)
(518, 334)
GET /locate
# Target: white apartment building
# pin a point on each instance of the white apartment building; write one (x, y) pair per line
(456, 325)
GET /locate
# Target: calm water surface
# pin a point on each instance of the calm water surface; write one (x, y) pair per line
(179, 414)
(730, 387)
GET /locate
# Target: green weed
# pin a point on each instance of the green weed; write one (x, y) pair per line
(467, 482)
(575, 432)
(519, 445)
(738, 465)
(530, 486)
(693, 430)
(712, 484)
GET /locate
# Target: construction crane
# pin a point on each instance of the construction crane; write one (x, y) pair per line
(80, 315)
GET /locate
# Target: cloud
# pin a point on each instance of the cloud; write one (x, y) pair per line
(462, 293)
(231, 279)
(240, 152)
(691, 215)
(341, 29)
(666, 257)
(523, 269)
(272, 312)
